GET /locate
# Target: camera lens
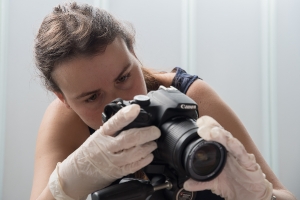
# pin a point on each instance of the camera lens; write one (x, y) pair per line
(204, 160)
(181, 147)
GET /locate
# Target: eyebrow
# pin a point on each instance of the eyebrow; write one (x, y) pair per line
(84, 94)
(123, 70)
(87, 93)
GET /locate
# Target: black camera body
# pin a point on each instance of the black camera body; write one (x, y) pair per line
(157, 107)
(181, 153)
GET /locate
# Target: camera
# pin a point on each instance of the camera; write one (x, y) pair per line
(181, 153)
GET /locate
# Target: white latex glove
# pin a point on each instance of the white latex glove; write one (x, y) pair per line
(102, 158)
(241, 178)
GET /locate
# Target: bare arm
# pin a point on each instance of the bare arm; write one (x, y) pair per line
(212, 105)
(61, 132)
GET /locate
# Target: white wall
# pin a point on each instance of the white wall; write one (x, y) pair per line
(247, 50)
(288, 82)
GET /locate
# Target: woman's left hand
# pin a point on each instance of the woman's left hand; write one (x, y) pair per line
(241, 178)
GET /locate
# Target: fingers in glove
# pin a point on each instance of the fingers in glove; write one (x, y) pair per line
(235, 147)
(206, 126)
(210, 129)
(206, 123)
(133, 167)
(192, 185)
(133, 154)
(134, 137)
(121, 119)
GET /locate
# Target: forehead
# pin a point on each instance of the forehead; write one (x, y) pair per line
(84, 69)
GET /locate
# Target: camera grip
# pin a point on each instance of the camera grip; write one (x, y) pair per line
(142, 120)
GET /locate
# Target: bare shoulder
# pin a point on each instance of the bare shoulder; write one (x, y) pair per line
(205, 97)
(63, 125)
(61, 132)
(208, 100)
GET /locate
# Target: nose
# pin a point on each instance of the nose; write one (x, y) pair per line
(125, 95)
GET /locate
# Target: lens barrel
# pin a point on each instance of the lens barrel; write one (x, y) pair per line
(181, 147)
(204, 160)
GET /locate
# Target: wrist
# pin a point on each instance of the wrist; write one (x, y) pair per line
(55, 186)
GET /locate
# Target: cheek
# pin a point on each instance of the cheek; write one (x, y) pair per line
(135, 86)
(138, 88)
(141, 84)
(91, 117)
(142, 89)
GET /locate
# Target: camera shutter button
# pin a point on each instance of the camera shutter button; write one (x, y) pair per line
(142, 100)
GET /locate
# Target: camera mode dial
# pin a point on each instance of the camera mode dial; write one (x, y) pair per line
(142, 100)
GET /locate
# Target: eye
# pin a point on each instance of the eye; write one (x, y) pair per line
(92, 98)
(123, 78)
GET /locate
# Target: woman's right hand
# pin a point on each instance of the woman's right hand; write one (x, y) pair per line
(242, 176)
(103, 158)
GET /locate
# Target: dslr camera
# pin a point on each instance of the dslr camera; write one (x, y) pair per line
(181, 153)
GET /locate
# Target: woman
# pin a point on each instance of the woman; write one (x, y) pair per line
(86, 57)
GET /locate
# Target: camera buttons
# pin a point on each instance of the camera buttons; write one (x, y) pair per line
(142, 100)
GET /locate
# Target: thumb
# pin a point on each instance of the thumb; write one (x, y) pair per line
(192, 185)
(121, 119)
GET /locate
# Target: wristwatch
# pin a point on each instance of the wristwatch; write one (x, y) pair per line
(273, 197)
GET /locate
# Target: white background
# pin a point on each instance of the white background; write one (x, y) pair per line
(248, 51)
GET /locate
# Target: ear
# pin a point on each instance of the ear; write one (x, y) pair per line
(62, 98)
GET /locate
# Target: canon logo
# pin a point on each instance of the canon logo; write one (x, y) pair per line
(184, 106)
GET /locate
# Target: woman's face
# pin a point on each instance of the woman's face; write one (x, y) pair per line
(89, 83)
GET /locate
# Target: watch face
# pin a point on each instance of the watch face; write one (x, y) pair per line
(185, 195)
